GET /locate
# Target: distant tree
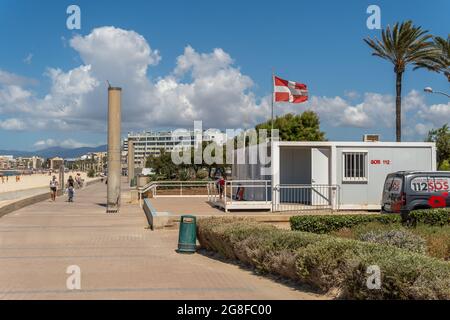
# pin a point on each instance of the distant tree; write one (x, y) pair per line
(404, 45)
(165, 168)
(211, 167)
(300, 127)
(441, 137)
(162, 164)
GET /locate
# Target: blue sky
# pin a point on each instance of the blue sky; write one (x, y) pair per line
(318, 43)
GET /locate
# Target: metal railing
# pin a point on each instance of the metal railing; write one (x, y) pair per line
(174, 189)
(306, 197)
(240, 191)
(284, 197)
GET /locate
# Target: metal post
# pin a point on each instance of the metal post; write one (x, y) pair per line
(265, 188)
(130, 160)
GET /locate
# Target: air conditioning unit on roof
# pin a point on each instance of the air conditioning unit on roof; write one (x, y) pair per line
(371, 138)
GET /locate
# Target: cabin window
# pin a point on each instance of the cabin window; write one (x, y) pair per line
(355, 166)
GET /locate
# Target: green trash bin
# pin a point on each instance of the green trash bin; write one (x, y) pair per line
(187, 239)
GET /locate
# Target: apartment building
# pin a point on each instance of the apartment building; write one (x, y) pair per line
(6, 162)
(152, 142)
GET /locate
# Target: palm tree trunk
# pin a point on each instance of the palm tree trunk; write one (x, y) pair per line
(398, 106)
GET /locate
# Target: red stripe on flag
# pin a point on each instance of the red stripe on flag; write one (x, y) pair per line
(299, 99)
(280, 82)
(281, 96)
(300, 86)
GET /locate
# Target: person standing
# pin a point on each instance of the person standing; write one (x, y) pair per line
(53, 187)
(221, 186)
(70, 188)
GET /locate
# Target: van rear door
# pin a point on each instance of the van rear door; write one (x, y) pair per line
(396, 194)
(392, 199)
(385, 196)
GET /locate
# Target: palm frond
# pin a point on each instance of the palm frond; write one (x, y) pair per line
(404, 44)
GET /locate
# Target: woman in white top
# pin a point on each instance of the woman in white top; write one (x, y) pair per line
(53, 187)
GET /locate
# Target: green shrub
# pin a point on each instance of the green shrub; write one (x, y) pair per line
(342, 263)
(91, 173)
(328, 223)
(433, 217)
(261, 246)
(403, 239)
(445, 166)
(327, 262)
(201, 174)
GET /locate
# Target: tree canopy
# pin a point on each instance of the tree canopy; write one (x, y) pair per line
(296, 127)
(441, 137)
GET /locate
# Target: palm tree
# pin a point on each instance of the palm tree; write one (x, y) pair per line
(442, 64)
(405, 44)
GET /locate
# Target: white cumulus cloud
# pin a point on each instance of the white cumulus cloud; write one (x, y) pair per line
(67, 143)
(12, 124)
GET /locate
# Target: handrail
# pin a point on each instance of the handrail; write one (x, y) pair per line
(154, 184)
(306, 196)
(146, 187)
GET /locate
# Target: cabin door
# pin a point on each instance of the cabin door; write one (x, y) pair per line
(320, 177)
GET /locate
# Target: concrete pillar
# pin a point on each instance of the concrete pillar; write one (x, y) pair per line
(61, 177)
(130, 160)
(114, 164)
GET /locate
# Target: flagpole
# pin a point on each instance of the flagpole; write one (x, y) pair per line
(272, 190)
(273, 98)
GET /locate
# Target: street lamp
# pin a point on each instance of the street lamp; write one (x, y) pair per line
(430, 90)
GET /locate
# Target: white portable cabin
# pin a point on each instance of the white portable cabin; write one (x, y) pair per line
(335, 175)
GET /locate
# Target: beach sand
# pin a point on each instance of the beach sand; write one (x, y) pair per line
(34, 181)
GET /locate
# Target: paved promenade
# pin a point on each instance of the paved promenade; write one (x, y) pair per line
(118, 257)
(12, 195)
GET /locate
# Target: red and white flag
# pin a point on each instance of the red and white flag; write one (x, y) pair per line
(289, 91)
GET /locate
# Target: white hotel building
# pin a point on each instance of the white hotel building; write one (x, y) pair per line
(151, 142)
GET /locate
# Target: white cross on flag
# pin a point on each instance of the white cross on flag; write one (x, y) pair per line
(289, 91)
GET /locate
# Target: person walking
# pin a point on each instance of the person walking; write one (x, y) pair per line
(221, 184)
(53, 187)
(78, 180)
(70, 188)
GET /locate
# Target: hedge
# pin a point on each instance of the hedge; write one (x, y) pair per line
(327, 223)
(326, 262)
(434, 217)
